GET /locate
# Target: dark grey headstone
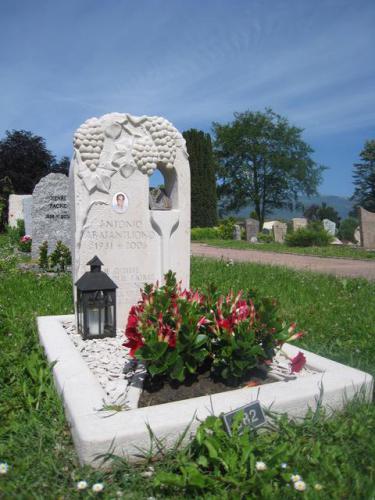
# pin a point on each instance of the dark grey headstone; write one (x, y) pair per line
(50, 214)
(252, 228)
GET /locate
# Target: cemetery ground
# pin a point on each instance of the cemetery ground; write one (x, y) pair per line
(335, 457)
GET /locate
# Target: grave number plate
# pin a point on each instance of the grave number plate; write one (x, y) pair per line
(253, 417)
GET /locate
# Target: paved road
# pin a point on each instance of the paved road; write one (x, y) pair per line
(337, 267)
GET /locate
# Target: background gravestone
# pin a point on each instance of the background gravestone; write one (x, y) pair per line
(367, 228)
(329, 226)
(237, 232)
(27, 204)
(279, 231)
(252, 229)
(50, 214)
(114, 155)
(15, 210)
(299, 222)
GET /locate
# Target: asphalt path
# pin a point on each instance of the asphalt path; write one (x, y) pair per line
(338, 267)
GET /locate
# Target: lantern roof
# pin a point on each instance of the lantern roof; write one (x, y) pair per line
(95, 279)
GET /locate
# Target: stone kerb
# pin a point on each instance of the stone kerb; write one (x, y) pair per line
(50, 213)
(96, 431)
(114, 155)
(15, 208)
(367, 228)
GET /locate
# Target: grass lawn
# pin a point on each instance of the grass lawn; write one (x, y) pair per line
(343, 252)
(336, 453)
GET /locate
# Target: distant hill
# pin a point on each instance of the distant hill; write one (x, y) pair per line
(340, 203)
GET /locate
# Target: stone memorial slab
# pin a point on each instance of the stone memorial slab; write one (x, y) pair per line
(252, 228)
(299, 222)
(367, 228)
(114, 155)
(329, 226)
(15, 210)
(50, 213)
(279, 231)
(237, 232)
(27, 204)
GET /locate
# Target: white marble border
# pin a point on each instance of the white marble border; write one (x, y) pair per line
(95, 431)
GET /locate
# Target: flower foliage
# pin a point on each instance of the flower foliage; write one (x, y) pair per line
(175, 332)
(24, 243)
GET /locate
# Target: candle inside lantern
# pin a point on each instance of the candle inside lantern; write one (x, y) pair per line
(93, 321)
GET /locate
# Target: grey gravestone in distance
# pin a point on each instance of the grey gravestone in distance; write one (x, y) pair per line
(50, 214)
(367, 228)
(279, 231)
(252, 228)
(27, 204)
(329, 226)
(299, 222)
(237, 232)
(15, 208)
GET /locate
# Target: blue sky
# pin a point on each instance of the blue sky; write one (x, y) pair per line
(193, 62)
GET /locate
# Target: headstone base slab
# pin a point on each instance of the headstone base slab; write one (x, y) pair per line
(96, 432)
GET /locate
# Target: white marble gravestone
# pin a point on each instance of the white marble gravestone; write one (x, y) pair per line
(279, 231)
(299, 222)
(27, 205)
(329, 226)
(15, 208)
(114, 155)
(50, 213)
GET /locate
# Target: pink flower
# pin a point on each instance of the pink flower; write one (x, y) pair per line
(298, 362)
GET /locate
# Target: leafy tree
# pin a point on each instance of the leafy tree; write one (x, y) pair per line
(263, 160)
(62, 166)
(320, 212)
(364, 179)
(203, 182)
(24, 160)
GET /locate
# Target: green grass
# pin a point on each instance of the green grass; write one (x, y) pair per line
(339, 315)
(336, 251)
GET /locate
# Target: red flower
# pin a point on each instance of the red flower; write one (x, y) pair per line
(298, 362)
(135, 340)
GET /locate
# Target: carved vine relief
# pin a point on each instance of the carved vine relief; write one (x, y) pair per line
(142, 143)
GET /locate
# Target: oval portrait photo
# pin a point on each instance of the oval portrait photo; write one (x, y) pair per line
(120, 202)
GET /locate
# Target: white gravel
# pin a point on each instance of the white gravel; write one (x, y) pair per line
(107, 359)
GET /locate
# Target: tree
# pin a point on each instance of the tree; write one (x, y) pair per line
(24, 159)
(263, 160)
(320, 212)
(203, 182)
(364, 179)
(62, 166)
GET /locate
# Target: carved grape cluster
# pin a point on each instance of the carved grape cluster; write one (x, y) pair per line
(163, 135)
(145, 155)
(89, 140)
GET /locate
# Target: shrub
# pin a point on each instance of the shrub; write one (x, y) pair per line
(347, 229)
(60, 258)
(16, 233)
(226, 228)
(265, 237)
(24, 243)
(175, 332)
(308, 236)
(204, 233)
(43, 255)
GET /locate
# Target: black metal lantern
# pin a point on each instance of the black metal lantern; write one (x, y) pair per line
(96, 303)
